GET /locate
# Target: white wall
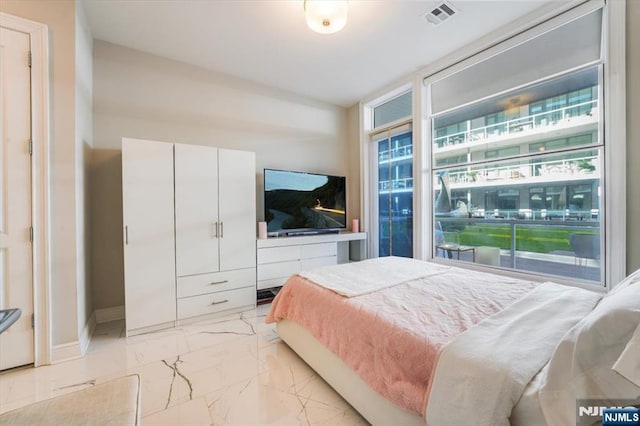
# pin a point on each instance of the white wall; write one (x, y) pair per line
(83, 138)
(66, 260)
(353, 178)
(633, 134)
(145, 96)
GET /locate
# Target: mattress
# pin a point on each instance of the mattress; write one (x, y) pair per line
(376, 409)
(370, 404)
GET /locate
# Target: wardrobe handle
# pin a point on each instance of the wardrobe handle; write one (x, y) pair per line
(214, 229)
(222, 301)
(221, 229)
(218, 282)
(126, 235)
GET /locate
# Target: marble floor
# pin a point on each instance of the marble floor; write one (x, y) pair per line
(233, 370)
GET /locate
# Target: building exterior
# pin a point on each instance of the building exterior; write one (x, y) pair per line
(513, 167)
(544, 186)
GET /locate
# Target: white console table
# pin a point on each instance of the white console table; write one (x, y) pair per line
(281, 257)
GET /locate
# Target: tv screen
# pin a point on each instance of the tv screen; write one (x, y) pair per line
(298, 200)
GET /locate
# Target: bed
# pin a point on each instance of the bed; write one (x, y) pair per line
(413, 343)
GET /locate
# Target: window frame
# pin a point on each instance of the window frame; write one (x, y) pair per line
(612, 127)
(392, 129)
(614, 110)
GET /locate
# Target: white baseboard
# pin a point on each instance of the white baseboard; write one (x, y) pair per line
(109, 314)
(66, 352)
(77, 349)
(87, 332)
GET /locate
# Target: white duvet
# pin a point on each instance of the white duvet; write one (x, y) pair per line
(481, 375)
(356, 279)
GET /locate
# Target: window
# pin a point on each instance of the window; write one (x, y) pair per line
(392, 110)
(389, 214)
(517, 154)
(395, 192)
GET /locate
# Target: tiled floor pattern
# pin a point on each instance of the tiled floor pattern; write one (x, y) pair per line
(226, 371)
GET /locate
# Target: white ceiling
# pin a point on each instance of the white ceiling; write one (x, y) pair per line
(268, 42)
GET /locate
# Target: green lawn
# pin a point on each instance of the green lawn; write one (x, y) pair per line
(533, 239)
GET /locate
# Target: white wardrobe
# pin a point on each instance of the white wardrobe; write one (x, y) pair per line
(189, 232)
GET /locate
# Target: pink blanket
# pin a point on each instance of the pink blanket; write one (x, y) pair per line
(392, 338)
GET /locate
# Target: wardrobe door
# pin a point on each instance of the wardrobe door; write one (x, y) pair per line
(149, 254)
(236, 171)
(197, 224)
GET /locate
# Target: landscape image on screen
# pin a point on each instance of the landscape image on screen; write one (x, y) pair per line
(295, 200)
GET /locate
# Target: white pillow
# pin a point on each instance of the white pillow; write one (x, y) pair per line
(581, 365)
(628, 365)
(632, 279)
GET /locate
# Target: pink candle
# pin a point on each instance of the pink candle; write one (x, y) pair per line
(262, 229)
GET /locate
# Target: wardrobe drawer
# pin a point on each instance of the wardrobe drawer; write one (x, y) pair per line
(318, 250)
(278, 254)
(219, 281)
(216, 302)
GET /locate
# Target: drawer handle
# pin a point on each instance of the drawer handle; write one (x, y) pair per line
(222, 301)
(218, 282)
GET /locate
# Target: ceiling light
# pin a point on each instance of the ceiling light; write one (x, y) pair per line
(326, 16)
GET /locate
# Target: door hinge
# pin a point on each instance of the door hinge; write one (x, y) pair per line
(29, 59)
(33, 320)
(31, 233)
(30, 146)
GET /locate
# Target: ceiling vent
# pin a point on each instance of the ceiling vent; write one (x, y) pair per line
(441, 13)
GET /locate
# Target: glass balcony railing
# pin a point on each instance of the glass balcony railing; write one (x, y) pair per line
(530, 124)
(563, 215)
(564, 169)
(395, 184)
(564, 248)
(395, 153)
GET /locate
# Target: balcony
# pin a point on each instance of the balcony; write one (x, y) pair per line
(573, 169)
(543, 247)
(560, 122)
(395, 154)
(395, 185)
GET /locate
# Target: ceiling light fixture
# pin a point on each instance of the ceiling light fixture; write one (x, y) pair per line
(326, 16)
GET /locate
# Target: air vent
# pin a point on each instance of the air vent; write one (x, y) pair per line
(441, 13)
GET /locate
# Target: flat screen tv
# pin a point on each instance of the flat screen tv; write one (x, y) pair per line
(299, 203)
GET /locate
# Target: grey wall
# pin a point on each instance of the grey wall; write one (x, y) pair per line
(107, 269)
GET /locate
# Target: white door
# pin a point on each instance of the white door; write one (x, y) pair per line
(197, 225)
(237, 189)
(149, 247)
(16, 270)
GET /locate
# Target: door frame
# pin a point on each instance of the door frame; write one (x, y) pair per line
(388, 131)
(40, 181)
